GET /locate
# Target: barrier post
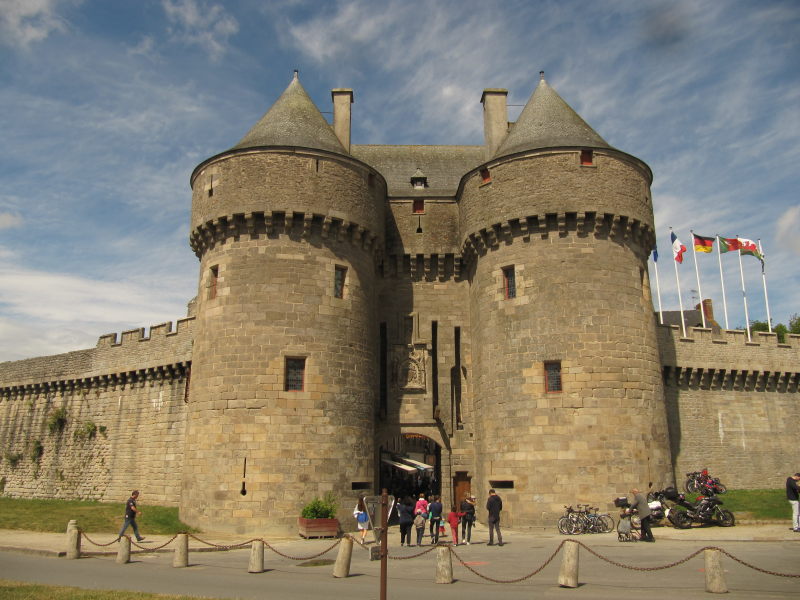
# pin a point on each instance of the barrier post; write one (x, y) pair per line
(343, 558)
(568, 575)
(256, 557)
(181, 557)
(124, 550)
(715, 577)
(444, 565)
(73, 540)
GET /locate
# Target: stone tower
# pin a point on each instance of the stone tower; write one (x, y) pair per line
(286, 225)
(556, 229)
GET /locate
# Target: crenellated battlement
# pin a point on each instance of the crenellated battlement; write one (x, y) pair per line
(301, 224)
(157, 332)
(619, 227)
(728, 361)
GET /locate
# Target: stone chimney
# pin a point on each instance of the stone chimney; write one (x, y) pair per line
(708, 310)
(342, 99)
(495, 119)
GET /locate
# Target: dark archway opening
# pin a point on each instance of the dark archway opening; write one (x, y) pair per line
(410, 465)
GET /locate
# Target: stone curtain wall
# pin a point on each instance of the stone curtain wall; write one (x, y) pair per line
(733, 406)
(122, 418)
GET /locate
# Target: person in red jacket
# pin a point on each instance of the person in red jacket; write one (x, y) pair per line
(454, 518)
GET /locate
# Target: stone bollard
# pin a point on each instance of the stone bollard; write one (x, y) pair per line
(342, 566)
(73, 540)
(181, 558)
(568, 575)
(256, 557)
(444, 565)
(124, 550)
(715, 577)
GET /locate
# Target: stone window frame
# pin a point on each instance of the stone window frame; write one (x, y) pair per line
(418, 206)
(586, 158)
(291, 366)
(485, 175)
(339, 281)
(509, 282)
(557, 383)
(213, 282)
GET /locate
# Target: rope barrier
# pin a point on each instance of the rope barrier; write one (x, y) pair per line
(221, 546)
(523, 578)
(336, 543)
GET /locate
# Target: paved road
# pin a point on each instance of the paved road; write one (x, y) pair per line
(223, 574)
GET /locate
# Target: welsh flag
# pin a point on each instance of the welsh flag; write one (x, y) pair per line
(677, 248)
(750, 248)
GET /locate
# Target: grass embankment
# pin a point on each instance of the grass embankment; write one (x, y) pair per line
(97, 517)
(758, 504)
(13, 590)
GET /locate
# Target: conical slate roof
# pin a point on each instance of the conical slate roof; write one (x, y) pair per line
(294, 120)
(548, 122)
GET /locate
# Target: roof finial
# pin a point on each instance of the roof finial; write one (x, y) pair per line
(295, 73)
(541, 75)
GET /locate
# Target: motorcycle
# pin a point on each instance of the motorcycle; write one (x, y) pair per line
(657, 501)
(700, 482)
(707, 509)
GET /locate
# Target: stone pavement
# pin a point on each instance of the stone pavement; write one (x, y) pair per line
(770, 547)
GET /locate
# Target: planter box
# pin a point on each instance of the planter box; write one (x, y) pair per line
(318, 528)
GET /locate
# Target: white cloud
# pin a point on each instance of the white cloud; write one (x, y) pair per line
(208, 26)
(787, 228)
(9, 220)
(23, 22)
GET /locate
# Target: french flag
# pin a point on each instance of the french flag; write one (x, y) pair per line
(677, 248)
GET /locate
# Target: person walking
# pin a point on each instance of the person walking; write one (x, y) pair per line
(453, 518)
(362, 518)
(405, 512)
(793, 496)
(493, 506)
(640, 505)
(131, 513)
(435, 515)
(467, 508)
(419, 523)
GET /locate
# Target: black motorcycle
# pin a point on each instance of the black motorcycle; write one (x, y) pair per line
(707, 509)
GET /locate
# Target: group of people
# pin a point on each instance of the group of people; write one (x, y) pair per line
(428, 512)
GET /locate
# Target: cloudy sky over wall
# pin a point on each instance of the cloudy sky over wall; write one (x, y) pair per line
(107, 106)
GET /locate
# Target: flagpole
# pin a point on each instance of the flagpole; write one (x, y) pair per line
(680, 299)
(744, 295)
(722, 282)
(697, 275)
(658, 291)
(764, 280)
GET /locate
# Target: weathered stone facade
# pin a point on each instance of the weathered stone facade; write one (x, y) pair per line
(383, 272)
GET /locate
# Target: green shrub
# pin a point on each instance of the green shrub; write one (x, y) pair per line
(37, 451)
(57, 420)
(324, 508)
(13, 458)
(86, 431)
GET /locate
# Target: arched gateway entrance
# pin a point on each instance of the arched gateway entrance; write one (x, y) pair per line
(410, 464)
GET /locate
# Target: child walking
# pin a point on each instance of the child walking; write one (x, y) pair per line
(453, 518)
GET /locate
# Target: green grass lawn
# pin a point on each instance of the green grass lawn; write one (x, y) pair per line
(758, 504)
(13, 590)
(92, 517)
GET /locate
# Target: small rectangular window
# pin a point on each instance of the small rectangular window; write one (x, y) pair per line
(213, 277)
(419, 207)
(552, 376)
(587, 157)
(502, 484)
(340, 274)
(486, 176)
(509, 283)
(295, 374)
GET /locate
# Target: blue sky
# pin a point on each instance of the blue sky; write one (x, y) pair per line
(106, 107)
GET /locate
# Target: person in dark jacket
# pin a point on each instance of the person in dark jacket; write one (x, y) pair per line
(494, 505)
(468, 508)
(639, 503)
(405, 511)
(793, 496)
(435, 515)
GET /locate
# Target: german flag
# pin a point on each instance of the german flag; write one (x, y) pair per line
(703, 244)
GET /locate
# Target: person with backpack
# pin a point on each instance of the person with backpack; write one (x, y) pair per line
(362, 518)
(405, 512)
(419, 524)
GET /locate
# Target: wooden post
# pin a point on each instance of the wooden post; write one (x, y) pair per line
(73, 540)
(715, 577)
(343, 558)
(444, 565)
(181, 557)
(568, 575)
(256, 557)
(124, 550)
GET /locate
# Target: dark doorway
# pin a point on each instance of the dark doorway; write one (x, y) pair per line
(462, 485)
(410, 465)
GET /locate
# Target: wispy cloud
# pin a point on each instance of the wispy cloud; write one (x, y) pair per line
(9, 220)
(206, 25)
(24, 22)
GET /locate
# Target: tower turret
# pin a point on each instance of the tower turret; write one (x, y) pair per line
(556, 229)
(286, 225)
